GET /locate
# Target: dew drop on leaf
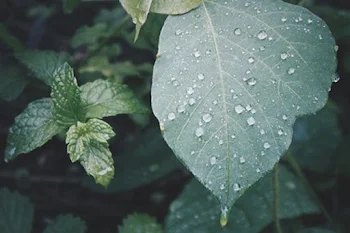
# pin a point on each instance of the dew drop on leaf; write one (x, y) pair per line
(207, 117)
(251, 121)
(239, 109)
(199, 131)
(171, 116)
(237, 32)
(262, 35)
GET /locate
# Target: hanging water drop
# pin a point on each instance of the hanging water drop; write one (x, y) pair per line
(267, 145)
(213, 160)
(224, 216)
(336, 78)
(236, 187)
(280, 132)
(222, 186)
(241, 160)
(284, 56)
(291, 71)
(251, 81)
(284, 117)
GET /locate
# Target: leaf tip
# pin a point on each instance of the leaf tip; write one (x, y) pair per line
(224, 217)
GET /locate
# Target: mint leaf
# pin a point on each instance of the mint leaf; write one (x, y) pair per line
(43, 64)
(82, 133)
(16, 212)
(140, 223)
(106, 98)
(97, 161)
(31, 129)
(68, 105)
(66, 224)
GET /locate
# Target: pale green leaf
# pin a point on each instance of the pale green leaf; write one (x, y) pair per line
(82, 133)
(69, 108)
(98, 162)
(229, 82)
(107, 98)
(315, 140)
(140, 223)
(139, 9)
(16, 212)
(198, 211)
(43, 64)
(12, 82)
(142, 162)
(31, 129)
(66, 224)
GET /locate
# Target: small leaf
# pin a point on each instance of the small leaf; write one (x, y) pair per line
(82, 133)
(70, 5)
(66, 224)
(315, 140)
(143, 161)
(140, 223)
(106, 98)
(98, 162)
(229, 82)
(16, 212)
(68, 105)
(250, 214)
(43, 64)
(31, 129)
(139, 9)
(12, 82)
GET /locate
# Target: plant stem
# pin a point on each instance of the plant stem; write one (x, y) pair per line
(302, 2)
(294, 164)
(276, 199)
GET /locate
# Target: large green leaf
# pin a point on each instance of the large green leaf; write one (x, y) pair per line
(80, 134)
(197, 211)
(16, 212)
(139, 9)
(315, 140)
(107, 98)
(140, 223)
(68, 108)
(43, 64)
(66, 224)
(230, 80)
(31, 129)
(142, 164)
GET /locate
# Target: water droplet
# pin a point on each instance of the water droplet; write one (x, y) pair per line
(237, 31)
(178, 32)
(224, 216)
(190, 90)
(309, 20)
(283, 19)
(181, 108)
(251, 81)
(280, 132)
(262, 132)
(262, 48)
(258, 170)
(262, 35)
(222, 186)
(251, 121)
(11, 152)
(251, 60)
(207, 117)
(171, 116)
(336, 48)
(213, 160)
(284, 117)
(199, 132)
(191, 101)
(221, 142)
(291, 71)
(197, 54)
(284, 56)
(178, 47)
(236, 187)
(336, 78)
(290, 185)
(215, 102)
(267, 145)
(176, 83)
(241, 160)
(248, 107)
(200, 76)
(239, 109)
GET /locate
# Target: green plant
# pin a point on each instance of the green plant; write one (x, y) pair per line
(230, 85)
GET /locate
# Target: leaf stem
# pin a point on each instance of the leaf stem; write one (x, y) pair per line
(276, 199)
(295, 166)
(302, 2)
